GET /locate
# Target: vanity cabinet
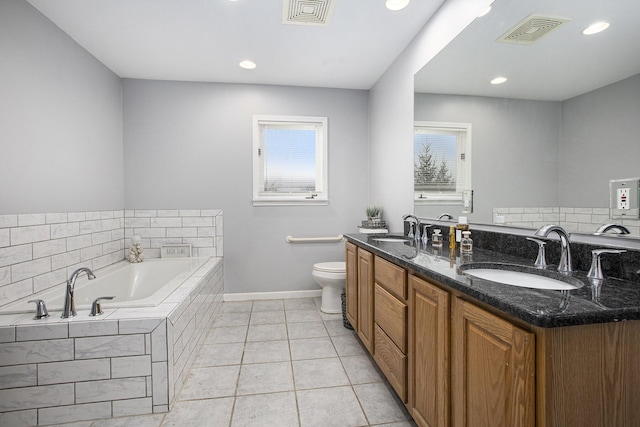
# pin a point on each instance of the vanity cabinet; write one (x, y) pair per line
(359, 293)
(390, 324)
(492, 369)
(428, 353)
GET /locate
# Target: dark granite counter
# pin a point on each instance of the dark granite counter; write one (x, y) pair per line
(612, 300)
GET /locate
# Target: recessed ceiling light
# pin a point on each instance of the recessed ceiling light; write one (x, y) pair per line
(247, 65)
(396, 4)
(484, 12)
(498, 80)
(595, 28)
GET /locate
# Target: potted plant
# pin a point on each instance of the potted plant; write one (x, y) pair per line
(373, 213)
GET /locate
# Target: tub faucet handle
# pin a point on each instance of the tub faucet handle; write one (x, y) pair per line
(96, 309)
(41, 309)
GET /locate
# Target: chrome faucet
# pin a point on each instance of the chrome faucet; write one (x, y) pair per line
(445, 216)
(564, 266)
(69, 307)
(607, 227)
(416, 234)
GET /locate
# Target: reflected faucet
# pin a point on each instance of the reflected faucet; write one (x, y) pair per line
(69, 307)
(445, 216)
(621, 229)
(564, 266)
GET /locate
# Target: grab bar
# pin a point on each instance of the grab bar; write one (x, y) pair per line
(337, 239)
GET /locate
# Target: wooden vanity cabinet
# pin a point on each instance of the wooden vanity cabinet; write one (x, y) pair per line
(351, 288)
(428, 353)
(492, 369)
(390, 318)
(365, 298)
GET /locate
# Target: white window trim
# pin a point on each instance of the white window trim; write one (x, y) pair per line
(321, 196)
(437, 198)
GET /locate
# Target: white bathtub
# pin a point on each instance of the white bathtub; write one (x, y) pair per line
(144, 284)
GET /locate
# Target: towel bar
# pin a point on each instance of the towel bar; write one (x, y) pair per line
(337, 239)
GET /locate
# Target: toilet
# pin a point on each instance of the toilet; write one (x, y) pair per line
(332, 277)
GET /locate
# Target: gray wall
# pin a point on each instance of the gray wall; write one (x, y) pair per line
(514, 149)
(60, 120)
(600, 141)
(391, 110)
(189, 145)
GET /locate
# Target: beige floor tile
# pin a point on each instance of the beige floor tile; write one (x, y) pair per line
(226, 334)
(330, 407)
(336, 328)
(307, 330)
(208, 412)
(319, 373)
(268, 305)
(348, 345)
(236, 306)
(265, 378)
(231, 319)
(219, 355)
(266, 351)
(267, 332)
(153, 420)
(300, 304)
(276, 409)
(379, 403)
(267, 317)
(312, 348)
(296, 316)
(361, 370)
(210, 382)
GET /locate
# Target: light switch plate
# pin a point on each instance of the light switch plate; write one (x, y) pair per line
(623, 198)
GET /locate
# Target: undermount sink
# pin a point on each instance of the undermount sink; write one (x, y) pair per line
(392, 239)
(524, 277)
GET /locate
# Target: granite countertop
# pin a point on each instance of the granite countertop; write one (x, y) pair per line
(614, 300)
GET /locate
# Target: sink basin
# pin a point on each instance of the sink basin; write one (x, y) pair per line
(392, 239)
(523, 277)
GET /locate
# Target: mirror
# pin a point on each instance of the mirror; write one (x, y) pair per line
(545, 143)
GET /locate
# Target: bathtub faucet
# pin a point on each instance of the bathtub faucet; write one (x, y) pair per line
(69, 308)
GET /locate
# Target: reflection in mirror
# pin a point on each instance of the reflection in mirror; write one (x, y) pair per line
(548, 140)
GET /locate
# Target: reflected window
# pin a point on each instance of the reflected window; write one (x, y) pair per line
(442, 162)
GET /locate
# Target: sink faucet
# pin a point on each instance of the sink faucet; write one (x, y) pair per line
(416, 234)
(564, 266)
(445, 216)
(69, 307)
(607, 227)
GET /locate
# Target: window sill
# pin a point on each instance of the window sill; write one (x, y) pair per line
(290, 202)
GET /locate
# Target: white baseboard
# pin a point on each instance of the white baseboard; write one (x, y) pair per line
(250, 296)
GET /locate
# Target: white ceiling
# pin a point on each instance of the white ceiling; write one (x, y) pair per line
(561, 65)
(203, 40)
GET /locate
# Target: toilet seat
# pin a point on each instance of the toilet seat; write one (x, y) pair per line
(330, 267)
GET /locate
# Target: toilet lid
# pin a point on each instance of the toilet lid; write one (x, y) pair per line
(330, 267)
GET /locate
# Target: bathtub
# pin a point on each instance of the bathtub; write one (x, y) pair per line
(144, 284)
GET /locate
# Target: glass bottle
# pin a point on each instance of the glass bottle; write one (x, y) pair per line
(436, 238)
(466, 244)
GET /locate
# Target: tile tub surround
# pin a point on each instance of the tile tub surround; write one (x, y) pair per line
(129, 361)
(39, 251)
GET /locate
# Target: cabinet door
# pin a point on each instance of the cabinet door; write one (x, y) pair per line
(429, 353)
(365, 298)
(352, 284)
(492, 370)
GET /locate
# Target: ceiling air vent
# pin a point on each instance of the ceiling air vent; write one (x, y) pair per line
(307, 12)
(531, 29)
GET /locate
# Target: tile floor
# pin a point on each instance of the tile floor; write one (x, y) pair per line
(278, 363)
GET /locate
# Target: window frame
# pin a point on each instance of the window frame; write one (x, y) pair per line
(318, 197)
(463, 146)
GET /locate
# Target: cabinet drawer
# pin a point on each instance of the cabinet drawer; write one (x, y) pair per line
(391, 316)
(392, 362)
(391, 277)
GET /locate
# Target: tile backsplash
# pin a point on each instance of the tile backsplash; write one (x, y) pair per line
(581, 220)
(39, 251)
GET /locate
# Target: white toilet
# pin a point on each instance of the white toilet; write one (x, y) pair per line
(332, 277)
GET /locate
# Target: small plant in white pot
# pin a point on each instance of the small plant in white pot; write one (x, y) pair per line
(373, 213)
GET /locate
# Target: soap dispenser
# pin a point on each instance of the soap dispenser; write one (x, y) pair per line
(466, 244)
(436, 238)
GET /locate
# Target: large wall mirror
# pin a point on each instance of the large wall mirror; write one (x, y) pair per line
(545, 143)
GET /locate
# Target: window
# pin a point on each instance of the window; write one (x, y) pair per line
(290, 160)
(442, 162)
